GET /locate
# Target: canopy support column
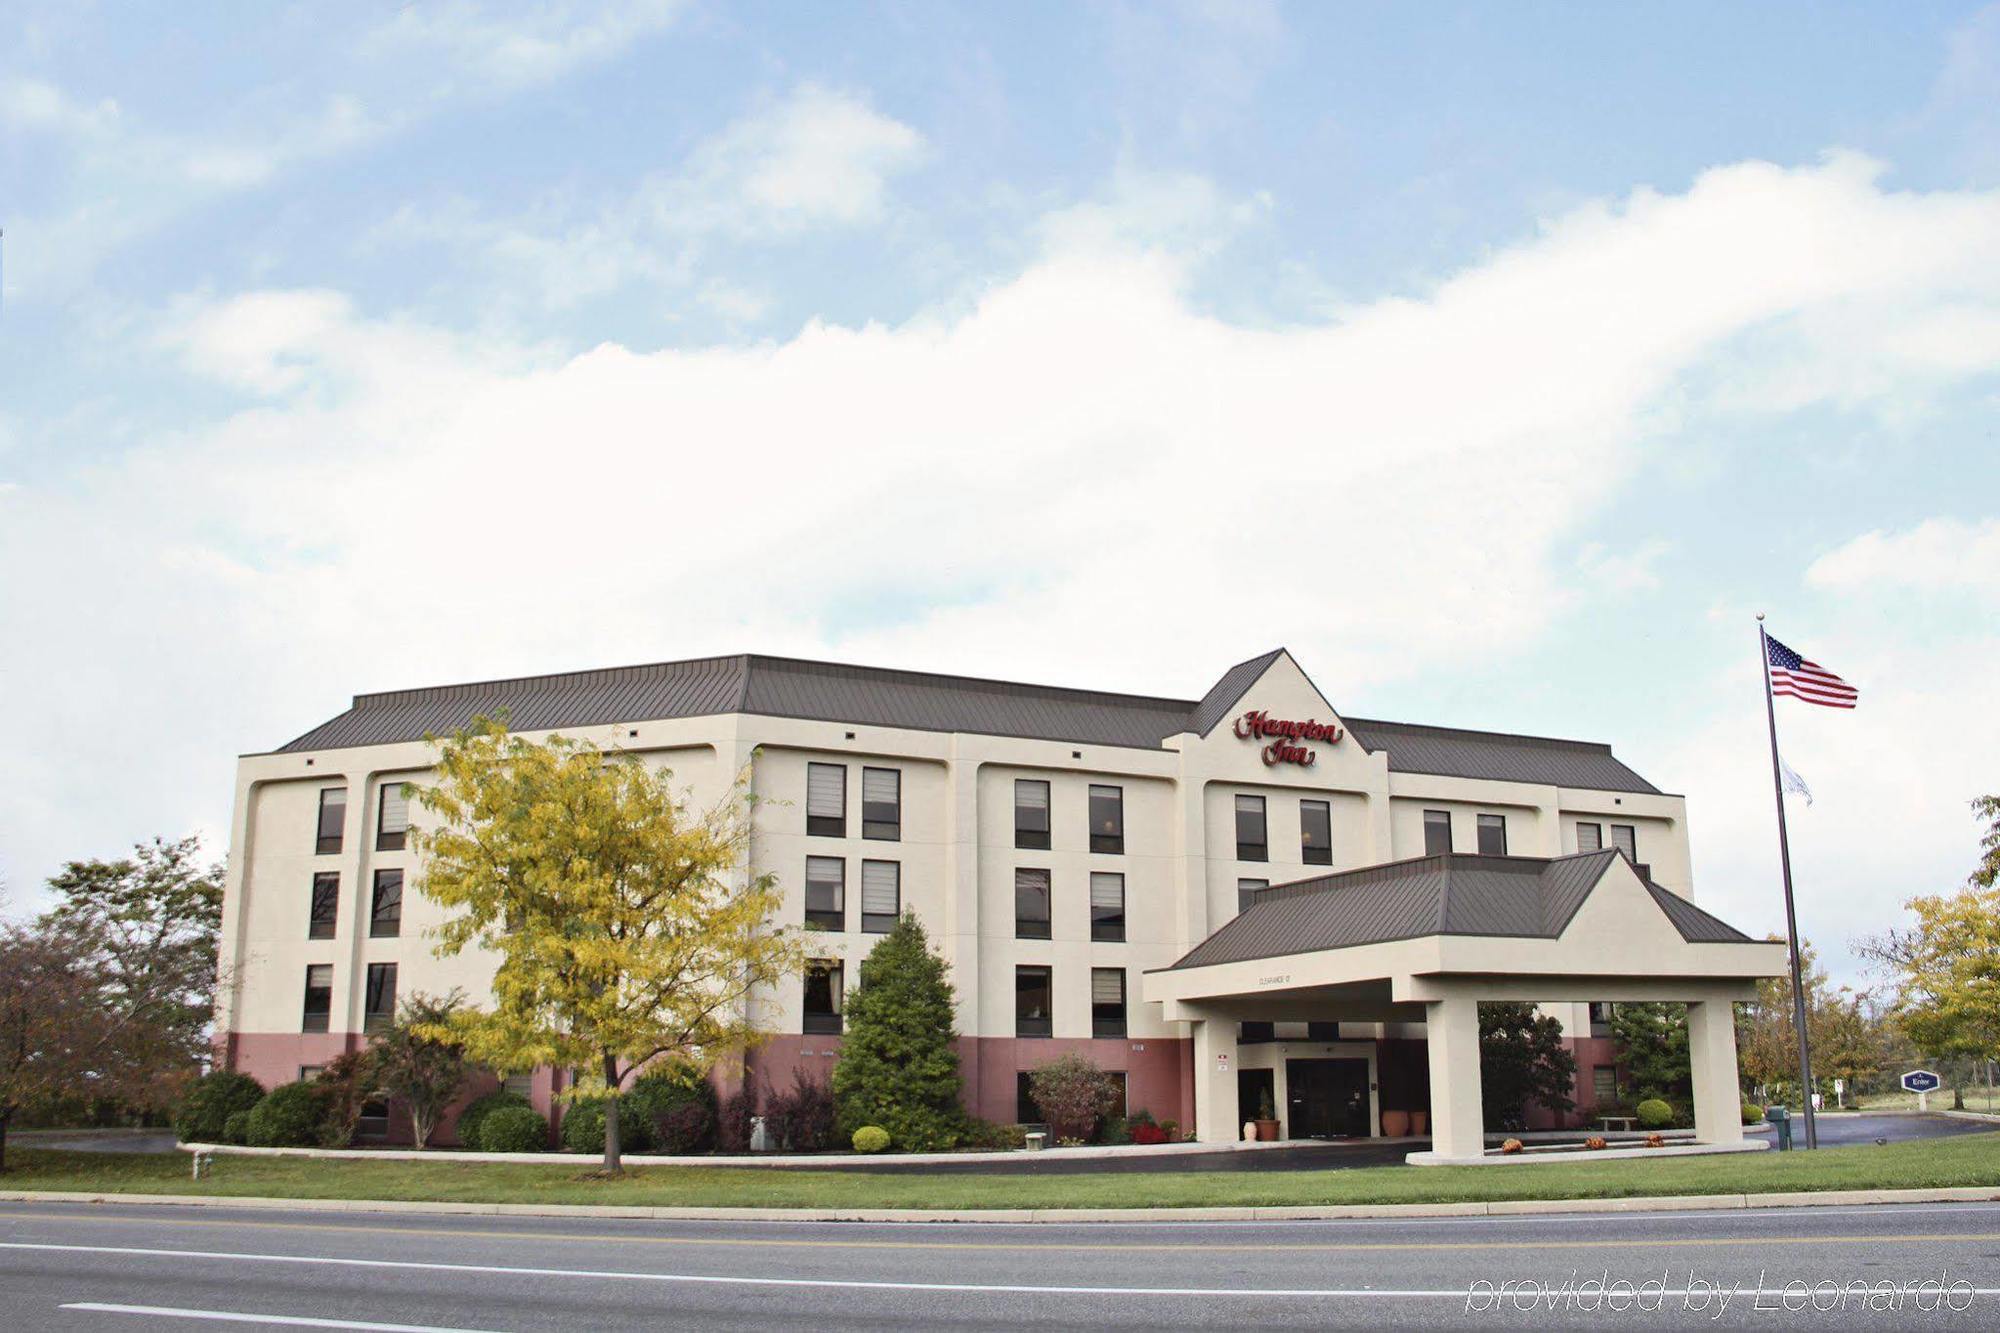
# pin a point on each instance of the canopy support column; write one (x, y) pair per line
(1217, 1118)
(1718, 1094)
(1458, 1121)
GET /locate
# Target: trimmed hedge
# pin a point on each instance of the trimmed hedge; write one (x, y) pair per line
(871, 1138)
(236, 1129)
(673, 1110)
(203, 1115)
(514, 1129)
(1654, 1113)
(472, 1119)
(288, 1117)
(1753, 1114)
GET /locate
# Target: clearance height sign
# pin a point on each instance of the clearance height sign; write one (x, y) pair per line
(1287, 737)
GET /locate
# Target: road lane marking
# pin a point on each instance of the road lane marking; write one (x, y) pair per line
(245, 1317)
(1144, 1247)
(843, 1284)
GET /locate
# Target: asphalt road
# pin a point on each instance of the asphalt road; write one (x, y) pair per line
(75, 1267)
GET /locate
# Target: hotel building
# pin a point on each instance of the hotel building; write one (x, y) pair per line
(1241, 900)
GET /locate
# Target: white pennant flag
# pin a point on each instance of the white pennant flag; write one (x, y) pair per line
(1793, 782)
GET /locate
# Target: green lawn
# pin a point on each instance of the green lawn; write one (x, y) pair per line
(1978, 1098)
(1972, 1159)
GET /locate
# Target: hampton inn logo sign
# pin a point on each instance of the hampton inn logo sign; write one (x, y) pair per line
(1285, 736)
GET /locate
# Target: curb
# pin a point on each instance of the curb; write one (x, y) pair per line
(1287, 1213)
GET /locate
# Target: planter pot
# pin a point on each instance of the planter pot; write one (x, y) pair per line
(1267, 1131)
(1395, 1124)
(1249, 1131)
(1420, 1123)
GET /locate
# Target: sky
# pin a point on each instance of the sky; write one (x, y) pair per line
(1500, 361)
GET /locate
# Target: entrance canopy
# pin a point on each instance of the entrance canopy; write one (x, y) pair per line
(1426, 940)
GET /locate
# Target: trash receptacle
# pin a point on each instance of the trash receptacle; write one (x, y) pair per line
(1781, 1119)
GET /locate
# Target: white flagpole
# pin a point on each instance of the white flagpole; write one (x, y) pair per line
(1791, 914)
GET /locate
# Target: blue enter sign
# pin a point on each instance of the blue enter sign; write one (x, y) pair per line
(1921, 1080)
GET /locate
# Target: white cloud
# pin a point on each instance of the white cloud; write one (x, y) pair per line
(1624, 570)
(522, 45)
(1080, 478)
(34, 106)
(1937, 554)
(816, 159)
(1181, 213)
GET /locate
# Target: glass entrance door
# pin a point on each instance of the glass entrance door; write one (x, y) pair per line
(1327, 1099)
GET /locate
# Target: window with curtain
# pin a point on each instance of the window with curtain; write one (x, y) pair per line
(319, 998)
(823, 997)
(1589, 837)
(826, 800)
(1316, 833)
(1031, 813)
(1107, 819)
(881, 895)
(1437, 832)
(1625, 838)
(332, 820)
(882, 803)
(1493, 835)
(1107, 1001)
(392, 818)
(1252, 842)
(1107, 906)
(826, 892)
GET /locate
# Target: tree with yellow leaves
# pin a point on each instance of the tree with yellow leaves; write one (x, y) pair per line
(1947, 966)
(626, 923)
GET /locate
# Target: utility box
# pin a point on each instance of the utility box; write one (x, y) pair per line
(1781, 1119)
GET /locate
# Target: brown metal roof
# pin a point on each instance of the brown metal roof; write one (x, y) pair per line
(920, 700)
(1454, 894)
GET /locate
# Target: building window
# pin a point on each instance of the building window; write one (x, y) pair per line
(881, 895)
(1589, 837)
(1316, 833)
(826, 800)
(1246, 893)
(325, 905)
(307, 1073)
(385, 909)
(332, 819)
(392, 818)
(1031, 813)
(1107, 1001)
(373, 1122)
(1031, 1002)
(826, 892)
(1107, 906)
(319, 998)
(882, 803)
(1493, 835)
(1437, 832)
(521, 1085)
(1251, 842)
(1249, 1034)
(1107, 819)
(1322, 1031)
(380, 1014)
(1604, 1084)
(1124, 1092)
(1031, 904)
(823, 996)
(1600, 1018)
(1626, 839)
(1025, 1109)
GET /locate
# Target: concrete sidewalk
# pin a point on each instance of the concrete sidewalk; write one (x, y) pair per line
(1306, 1212)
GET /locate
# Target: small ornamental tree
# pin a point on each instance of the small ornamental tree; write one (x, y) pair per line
(1522, 1060)
(898, 1065)
(625, 925)
(1073, 1094)
(420, 1062)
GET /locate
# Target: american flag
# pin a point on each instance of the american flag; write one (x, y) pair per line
(1794, 675)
